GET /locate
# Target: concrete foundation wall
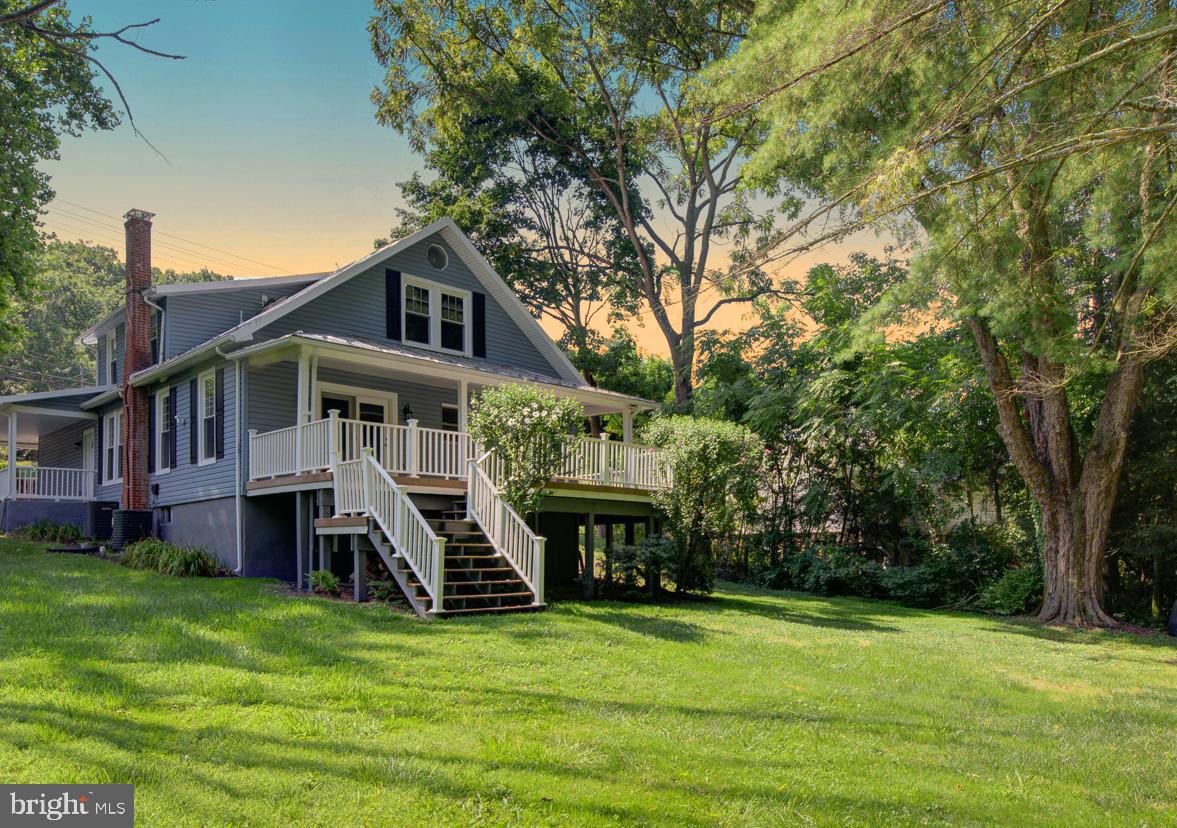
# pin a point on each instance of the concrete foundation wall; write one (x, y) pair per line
(19, 513)
(209, 523)
(268, 532)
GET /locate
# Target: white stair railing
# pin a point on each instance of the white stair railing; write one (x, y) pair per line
(365, 487)
(508, 533)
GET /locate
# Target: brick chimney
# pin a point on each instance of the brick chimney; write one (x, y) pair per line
(138, 356)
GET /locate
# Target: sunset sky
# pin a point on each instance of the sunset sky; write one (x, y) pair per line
(274, 161)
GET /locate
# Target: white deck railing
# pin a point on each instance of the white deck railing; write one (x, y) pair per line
(410, 450)
(612, 463)
(364, 487)
(507, 531)
(48, 483)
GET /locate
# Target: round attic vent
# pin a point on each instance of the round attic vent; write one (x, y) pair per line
(437, 256)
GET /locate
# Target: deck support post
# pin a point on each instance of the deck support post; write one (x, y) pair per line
(608, 552)
(299, 540)
(590, 539)
(360, 576)
(627, 425)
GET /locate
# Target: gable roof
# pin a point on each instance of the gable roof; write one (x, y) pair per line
(480, 267)
(90, 335)
(449, 230)
(447, 365)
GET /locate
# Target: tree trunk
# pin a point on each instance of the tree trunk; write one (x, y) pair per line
(1073, 565)
(1075, 499)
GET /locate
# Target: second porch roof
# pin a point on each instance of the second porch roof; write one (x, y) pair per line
(436, 365)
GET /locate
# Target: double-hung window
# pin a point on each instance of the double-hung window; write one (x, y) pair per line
(436, 316)
(112, 447)
(207, 389)
(112, 357)
(417, 317)
(163, 432)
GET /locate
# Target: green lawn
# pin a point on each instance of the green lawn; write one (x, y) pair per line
(228, 702)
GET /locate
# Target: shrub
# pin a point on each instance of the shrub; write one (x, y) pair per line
(714, 480)
(170, 559)
(49, 532)
(836, 570)
(528, 428)
(648, 559)
(386, 591)
(324, 581)
(1017, 592)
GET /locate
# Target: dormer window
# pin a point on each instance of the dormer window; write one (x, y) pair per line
(436, 316)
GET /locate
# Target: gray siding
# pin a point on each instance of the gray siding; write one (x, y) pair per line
(356, 308)
(188, 481)
(62, 449)
(193, 318)
(425, 400)
(271, 395)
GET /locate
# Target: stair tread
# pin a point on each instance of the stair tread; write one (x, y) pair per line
(478, 610)
(486, 595)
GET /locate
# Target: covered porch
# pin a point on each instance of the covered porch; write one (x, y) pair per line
(410, 411)
(49, 455)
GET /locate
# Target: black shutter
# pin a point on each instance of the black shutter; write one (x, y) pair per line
(151, 426)
(193, 424)
(392, 303)
(220, 423)
(478, 320)
(171, 415)
(98, 441)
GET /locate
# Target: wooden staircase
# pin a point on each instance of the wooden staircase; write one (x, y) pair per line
(477, 578)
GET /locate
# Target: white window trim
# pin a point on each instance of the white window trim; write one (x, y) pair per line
(388, 399)
(201, 416)
(108, 468)
(111, 354)
(436, 289)
(161, 413)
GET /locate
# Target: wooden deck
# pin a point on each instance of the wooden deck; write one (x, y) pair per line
(424, 484)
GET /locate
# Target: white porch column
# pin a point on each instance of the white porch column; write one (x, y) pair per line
(12, 452)
(463, 403)
(304, 386)
(627, 425)
(304, 404)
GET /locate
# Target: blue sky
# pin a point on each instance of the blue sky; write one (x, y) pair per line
(272, 148)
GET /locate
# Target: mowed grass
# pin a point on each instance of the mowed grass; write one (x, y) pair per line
(227, 702)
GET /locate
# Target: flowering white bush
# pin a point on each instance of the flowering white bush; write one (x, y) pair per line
(528, 428)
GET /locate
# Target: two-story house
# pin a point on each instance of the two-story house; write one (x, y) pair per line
(298, 423)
